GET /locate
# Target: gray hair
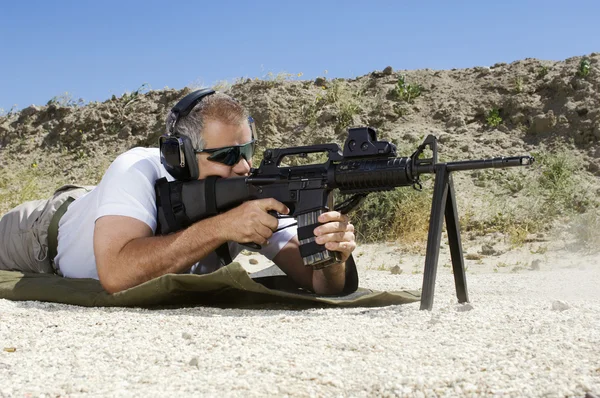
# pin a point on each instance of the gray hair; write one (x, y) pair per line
(216, 106)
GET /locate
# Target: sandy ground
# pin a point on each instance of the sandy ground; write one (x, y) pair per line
(532, 329)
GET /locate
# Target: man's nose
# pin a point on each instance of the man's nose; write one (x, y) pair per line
(242, 167)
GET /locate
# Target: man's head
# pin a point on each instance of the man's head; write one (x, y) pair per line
(219, 131)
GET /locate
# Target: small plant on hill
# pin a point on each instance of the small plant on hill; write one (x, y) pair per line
(130, 97)
(405, 91)
(310, 110)
(346, 111)
(584, 67)
(334, 91)
(222, 86)
(400, 110)
(382, 267)
(543, 71)
(273, 79)
(65, 99)
(558, 183)
(519, 84)
(9, 113)
(339, 99)
(19, 187)
(493, 118)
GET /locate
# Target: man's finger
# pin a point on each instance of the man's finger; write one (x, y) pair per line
(330, 227)
(346, 248)
(270, 222)
(263, 233)
(332, 237)
(333, 216)
(273, 204)
(335, 237)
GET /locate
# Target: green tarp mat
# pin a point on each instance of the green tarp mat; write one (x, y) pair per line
(230, 286)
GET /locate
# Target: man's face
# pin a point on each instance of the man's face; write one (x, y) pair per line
(217, 135)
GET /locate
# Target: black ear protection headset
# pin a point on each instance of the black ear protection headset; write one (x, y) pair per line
(177, 154)
(176, 151)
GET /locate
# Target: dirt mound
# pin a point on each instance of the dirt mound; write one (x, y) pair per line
(502, 110)
(534, 101)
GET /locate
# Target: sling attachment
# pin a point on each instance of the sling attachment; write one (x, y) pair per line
(210, 199)
(169, 198)
(53, 230)
(350, 204)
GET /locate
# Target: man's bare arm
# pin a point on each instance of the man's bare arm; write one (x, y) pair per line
(329, 280)
(127, 253)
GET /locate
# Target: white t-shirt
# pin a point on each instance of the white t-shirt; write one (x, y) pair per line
(127, 189)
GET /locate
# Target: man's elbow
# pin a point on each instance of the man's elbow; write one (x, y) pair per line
(329, 281)
(329, 290)
(110, 284)
(110, 281)
(324, 287)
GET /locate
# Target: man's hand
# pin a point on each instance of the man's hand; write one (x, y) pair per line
(337, 233)
(251, 222)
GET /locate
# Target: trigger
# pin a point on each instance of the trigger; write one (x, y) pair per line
(252, 245)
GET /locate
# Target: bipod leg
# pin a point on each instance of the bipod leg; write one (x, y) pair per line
(438, 206)
(453, 228)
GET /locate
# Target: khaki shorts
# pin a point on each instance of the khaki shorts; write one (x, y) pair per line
(24, 232)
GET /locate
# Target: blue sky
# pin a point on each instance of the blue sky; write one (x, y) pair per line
(94, 49)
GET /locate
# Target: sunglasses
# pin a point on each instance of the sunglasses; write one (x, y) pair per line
(230, 155)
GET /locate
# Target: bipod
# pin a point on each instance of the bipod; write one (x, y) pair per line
(443, 204)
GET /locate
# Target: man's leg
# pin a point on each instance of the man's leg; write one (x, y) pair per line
(24, 232)
(18, 241)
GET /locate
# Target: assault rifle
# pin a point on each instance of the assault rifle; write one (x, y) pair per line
(366, 165)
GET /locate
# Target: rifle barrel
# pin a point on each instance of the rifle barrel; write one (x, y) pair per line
(494, 163)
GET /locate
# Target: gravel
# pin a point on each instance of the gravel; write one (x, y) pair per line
(532, 333)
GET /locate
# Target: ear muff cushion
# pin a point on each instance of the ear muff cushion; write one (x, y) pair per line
(191, 162)
(169, 155)
(170, 158)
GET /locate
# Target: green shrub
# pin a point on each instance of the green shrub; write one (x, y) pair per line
(406, 92)
(338, 97)
(493, 118)
(519, 84)
(559, 183)
(129, 97)
(401, 214)
(22, 186)
(273, 79)
(335, 91)
(66, 99)
(584, 67)
(6, 114)
(554, 188)
(346, 110)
